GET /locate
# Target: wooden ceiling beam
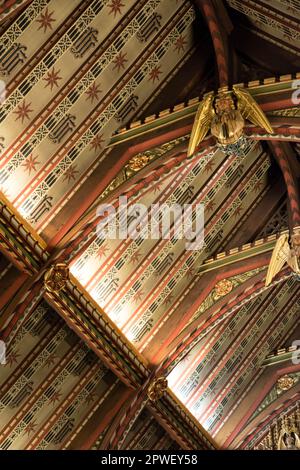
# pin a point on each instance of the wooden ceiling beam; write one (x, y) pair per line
(219, 39)
(290, 181)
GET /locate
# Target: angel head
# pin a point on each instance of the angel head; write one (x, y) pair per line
(223, 102)
(227, 124)
(289, 440)
(296, 241)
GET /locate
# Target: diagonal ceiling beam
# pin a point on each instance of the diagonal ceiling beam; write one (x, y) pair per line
(218, 37)
(290, 181)
(18, 241)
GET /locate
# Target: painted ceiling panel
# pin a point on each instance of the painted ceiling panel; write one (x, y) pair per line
(147, 434)
(50, 384)
(215, 376)
(74, 73)
(80, 84)
(140, 282)
(276, 21)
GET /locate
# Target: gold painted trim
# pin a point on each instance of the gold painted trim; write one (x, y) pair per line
(22, 221)
(114, 327)
(192, 418)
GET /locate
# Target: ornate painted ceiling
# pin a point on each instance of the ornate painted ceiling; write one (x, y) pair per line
(98, 101)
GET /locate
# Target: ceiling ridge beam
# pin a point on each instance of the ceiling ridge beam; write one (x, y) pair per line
(290, 181)
(219, 40)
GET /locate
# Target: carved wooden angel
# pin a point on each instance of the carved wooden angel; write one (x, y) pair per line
(282, 254)
(224, 114)
(288, 440)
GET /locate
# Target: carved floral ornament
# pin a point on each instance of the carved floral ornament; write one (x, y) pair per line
(285, 382)
(157, 388)
(223, 287)
(56, 277)
(138, 162)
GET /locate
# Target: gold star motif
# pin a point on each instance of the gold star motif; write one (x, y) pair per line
(210, 206)
(237, 211)
(168, 300)
(119, 61)
(30, 427)
(157, 187)
(154, 74)
(102, 251)
(180, 44)
(97, 142)
(55, 397)
(137, 296)
(51, 360)
(190, 273)
(135, 258)
(209, 166)
(12, 358)
(90, 398)
(258, 186)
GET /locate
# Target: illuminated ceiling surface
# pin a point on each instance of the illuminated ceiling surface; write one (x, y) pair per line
(99, 102)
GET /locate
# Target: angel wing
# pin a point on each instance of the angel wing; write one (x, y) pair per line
(297, 441)
(281, 254)
(202, 121)
(250, 109)
(280, 444)
(293, 263)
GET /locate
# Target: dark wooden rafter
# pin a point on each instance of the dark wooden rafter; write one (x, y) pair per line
(10, 8)
(218, 38)
(290, 181)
